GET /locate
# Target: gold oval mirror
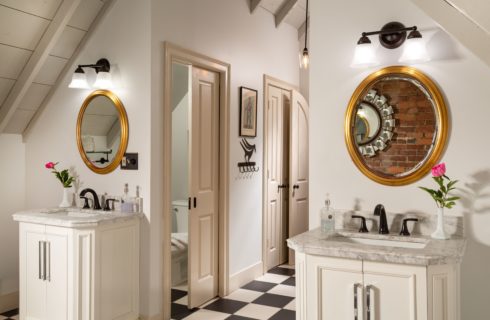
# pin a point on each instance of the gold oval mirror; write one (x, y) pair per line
(396, 125)
(102, 131)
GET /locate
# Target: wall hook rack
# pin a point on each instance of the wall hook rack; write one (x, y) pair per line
(247, 166)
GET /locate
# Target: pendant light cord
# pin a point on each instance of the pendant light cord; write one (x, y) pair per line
(306, 26)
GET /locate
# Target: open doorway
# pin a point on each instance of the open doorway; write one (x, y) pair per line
(195, 255)
(286, 200)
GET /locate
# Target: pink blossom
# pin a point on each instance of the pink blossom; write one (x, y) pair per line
(439, 170)
(50, 165)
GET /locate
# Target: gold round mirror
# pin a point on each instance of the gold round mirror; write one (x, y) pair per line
(396, 125)
(102, 131)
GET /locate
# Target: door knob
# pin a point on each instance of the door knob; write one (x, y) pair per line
(296, 186)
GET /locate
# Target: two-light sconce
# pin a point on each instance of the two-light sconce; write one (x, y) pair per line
(391, 36)
(102, 81)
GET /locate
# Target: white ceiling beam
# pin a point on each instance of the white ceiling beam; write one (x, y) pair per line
(254, 4)
(38, 57)
(283, 12)
(68, 67)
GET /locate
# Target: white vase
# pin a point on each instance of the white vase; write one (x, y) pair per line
(440, 232)
(66, 203)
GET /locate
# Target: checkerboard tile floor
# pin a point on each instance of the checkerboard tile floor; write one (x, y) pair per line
(270, 297)
(9, 315)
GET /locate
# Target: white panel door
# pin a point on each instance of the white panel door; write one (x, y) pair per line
(334, 289)
(57, 281)
(32, 284)
(298, 166)
(204, 165)
(277, 181)
(395, 291)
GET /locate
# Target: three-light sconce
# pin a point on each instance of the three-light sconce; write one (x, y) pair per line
(391, 36)
(102, 81)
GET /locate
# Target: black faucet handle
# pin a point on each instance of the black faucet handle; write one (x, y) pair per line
(86, 204)
(363, 228)
(108, 206)
(404, 231)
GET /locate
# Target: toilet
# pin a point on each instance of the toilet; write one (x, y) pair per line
(180, 218)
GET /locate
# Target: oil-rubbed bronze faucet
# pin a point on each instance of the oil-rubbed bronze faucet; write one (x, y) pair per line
(383, 224)
(94, 195)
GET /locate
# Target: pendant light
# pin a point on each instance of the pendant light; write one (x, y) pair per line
(305, 56)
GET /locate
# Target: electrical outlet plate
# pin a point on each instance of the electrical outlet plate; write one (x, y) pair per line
(129, 161)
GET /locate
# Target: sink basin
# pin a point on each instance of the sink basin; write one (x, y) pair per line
(412, 244)
(72, 212)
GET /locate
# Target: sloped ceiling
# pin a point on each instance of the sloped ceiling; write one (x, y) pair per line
(292, 12)
(38, 39)
(466, 20)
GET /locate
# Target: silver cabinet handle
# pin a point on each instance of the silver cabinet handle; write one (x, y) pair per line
(356, 300)
(48, 269)
(39, 259)
(44, 260)
(368, 301)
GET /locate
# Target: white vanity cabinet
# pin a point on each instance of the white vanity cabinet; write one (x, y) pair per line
(79, 272)
(337, 288)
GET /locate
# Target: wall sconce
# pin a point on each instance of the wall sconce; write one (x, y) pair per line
(391, 36)
(102, 81)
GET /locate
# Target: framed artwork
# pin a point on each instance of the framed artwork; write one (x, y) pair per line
(248, 112)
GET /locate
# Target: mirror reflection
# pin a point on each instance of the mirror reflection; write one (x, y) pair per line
(396, 125)
(101, 131)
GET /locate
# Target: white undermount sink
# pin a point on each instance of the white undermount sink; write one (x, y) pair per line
(412, 244)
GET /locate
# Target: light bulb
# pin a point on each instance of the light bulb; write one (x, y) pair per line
(103, 80)
(414, 51)
(364, 56)
(78, 80)
(305, 59)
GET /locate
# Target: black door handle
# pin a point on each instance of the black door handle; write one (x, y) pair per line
(189, 203)
(195, 202)
(296, 186)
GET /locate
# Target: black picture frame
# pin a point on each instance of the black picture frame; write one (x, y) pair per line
(248, 112)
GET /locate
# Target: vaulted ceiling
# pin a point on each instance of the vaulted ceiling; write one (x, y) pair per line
(292, 12)
(38, 40)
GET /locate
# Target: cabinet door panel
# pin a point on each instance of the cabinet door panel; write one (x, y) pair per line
(32, 286)
(397, 291)
(332, 282)
(57, 274)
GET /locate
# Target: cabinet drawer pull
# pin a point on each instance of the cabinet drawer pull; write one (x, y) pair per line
(44, 260)
(368, 301)
(39, 259)
(356, 300)
(48, 262)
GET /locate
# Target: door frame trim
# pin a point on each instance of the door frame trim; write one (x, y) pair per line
(268, 80)
(174, 53)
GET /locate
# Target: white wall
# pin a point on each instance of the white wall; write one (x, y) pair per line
(225, 30)
(12, 199)
(123, 37)
(464, 80)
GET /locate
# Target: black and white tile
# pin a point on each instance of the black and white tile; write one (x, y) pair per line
(270, 297)
(10, 315)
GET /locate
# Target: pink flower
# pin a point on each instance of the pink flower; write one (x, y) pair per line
(50, 165)
(439, 170)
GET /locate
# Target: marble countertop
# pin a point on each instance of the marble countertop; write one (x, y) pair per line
(337, 244)
(73, 217)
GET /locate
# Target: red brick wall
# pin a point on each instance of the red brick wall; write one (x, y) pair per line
(414, 130)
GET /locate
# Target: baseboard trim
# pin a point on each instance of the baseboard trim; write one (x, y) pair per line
(155, 317)
(244, 276)
(9, 301)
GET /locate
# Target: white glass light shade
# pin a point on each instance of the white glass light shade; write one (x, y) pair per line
(103, 80)
(364, 56)
(78, 81)
(414, 51)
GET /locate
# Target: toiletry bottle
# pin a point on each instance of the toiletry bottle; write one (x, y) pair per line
(138, 201)
(327, 217)
(126, 203)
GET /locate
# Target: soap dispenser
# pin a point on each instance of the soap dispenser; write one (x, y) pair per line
(327, 217)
